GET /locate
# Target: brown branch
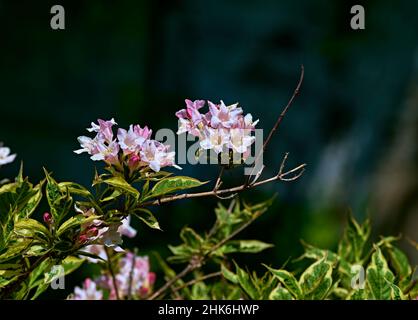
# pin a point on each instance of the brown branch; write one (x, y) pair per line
(219, 179)
(279, 120)
(192, 282)
(112, 273)
(279, 176)
(190, 267)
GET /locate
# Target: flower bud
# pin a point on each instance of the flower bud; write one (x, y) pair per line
(47, 218)
(83, 238)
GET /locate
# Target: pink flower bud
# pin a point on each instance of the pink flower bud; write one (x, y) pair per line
(92, 232)
(143, 291)
(151, 278)
(133, 161)
(47, 218)
(83, 238)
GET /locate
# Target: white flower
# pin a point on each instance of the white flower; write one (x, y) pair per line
(88, 292)
(240, 140)
(215, 139)
(111, 236)
(5, 156)
(156, 155)
(87, 145)
(125, 229)
(97, 250)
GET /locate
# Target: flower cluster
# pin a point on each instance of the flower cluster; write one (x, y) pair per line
(99, 234)
(5, 156)
(133, 279)
(133, 147)
(221, 129)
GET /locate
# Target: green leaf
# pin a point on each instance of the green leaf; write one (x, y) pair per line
(33, 201)
(357, 294)
(288, 280)
(75, 221)
(229, 275)
(395, 292)
(121, 184)
(30, 227)
(171, 184)
(116, 193)
(245, 246)
(147, 217)
(315, 253)
(182, 253)
(74, 188)
(246, 283)
(280, 293)
(191, 238)
(317, 280)
(60, 202)
(378, 276)
(14, 250)
(69, 265)
(355, 237)
(400, 262)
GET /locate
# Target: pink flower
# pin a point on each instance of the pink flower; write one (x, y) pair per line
(156, 155)
(221, 129)
(5, 156)
(103, 129)
(224, 116)
(134, 271)
(87, 292)
(107, 152)
(137, 147)
(131, 141)
(190, 118)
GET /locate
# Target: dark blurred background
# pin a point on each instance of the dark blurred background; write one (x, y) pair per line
(355, 122)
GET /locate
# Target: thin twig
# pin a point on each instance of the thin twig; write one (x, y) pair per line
(279, 120)
(218, 180)
(192, 282)
(131, 275)
(169, 283)
(224, 191)
(112, 273)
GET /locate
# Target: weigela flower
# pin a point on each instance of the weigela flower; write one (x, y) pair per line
(224, 116)
(190, 117)
(156, 155)
(133, 278)
(138, 149)
(89, 291)
(96, 249)
(216, 139)
(5, 156)
(132, 140)
(134, 275)
(221, 129)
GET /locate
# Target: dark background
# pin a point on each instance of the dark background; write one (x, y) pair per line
(355, 122)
